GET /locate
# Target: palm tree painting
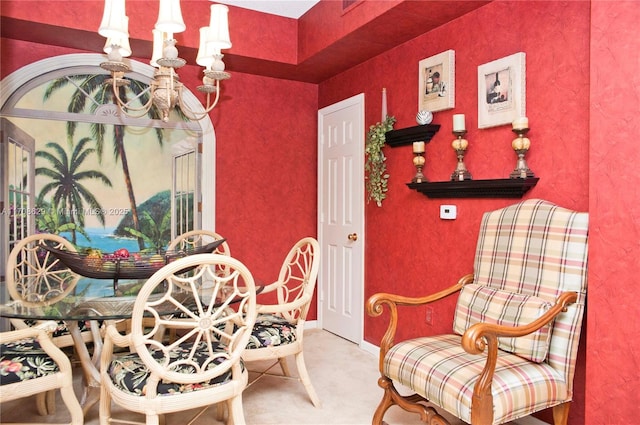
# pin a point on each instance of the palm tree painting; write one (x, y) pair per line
(66, 183)
(51, 220)
(91, 92)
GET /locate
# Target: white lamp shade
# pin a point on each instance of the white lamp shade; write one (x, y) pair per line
(122, 44)
(219, 28)
(170, 17)
(205, 57)
(114, 20)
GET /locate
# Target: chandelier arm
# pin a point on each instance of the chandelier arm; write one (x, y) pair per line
(125, 107)
(189, 113)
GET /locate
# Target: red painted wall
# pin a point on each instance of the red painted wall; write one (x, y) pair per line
(410, 250)
(266, 132)
(613, 359)
(583, 102)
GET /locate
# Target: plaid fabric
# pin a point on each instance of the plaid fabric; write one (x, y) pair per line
(533, 248)
(440, 370)
(481, 304)
(537, 248)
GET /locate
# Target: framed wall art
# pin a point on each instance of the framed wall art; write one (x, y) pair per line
(501, 91)
(437, 82)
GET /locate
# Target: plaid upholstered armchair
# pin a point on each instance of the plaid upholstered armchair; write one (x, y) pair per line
(516, 325)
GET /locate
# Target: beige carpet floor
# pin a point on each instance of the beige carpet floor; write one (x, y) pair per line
(344, 376)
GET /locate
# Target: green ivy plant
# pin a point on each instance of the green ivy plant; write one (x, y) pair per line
(376, 176)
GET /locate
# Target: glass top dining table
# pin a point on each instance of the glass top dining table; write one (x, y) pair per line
(83, 307)
(86, 307)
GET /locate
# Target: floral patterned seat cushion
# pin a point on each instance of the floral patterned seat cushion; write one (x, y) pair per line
(130, 374)
(271, 330)
(24, 359)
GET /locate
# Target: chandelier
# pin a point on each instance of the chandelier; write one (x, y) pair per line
(165, 89)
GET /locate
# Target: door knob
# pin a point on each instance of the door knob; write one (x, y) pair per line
(353, 237)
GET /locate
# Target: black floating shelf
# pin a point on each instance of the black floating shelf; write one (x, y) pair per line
(406, 136)
(498, 188)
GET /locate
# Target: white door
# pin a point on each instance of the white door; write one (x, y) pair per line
(341, 217)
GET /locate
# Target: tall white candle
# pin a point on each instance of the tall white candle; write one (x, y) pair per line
(384, 104)
(520, 123)
(418, 147)
(458, 122)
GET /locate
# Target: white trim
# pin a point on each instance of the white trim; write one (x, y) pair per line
(370, 348)
(18, 78)
(311, 324)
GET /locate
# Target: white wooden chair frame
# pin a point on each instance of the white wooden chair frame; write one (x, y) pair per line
(62, 379)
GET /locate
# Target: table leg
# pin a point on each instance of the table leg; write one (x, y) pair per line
(91, 373)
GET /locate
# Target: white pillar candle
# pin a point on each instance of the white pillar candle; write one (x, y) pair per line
(458, 122)
(384, 104)
(520, 123)
(418, 147)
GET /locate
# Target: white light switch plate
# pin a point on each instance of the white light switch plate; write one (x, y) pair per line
(448, 212)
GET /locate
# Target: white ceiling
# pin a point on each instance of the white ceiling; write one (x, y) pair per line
(287, 8)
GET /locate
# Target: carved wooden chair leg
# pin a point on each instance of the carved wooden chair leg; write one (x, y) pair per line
(411, 403)
(385, 403)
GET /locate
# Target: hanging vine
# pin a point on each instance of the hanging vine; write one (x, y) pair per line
(375, 168)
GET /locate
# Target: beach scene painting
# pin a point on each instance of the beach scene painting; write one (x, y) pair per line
(106, 188)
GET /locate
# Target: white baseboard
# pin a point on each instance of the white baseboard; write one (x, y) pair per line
(311, 324)
(370, 348)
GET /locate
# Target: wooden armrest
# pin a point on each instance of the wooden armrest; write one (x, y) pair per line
(376, 302)
(473, 339)
(481, 336)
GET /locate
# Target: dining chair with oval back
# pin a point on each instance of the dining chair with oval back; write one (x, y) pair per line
(36, 278)
(203, 366)
(279, 329)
